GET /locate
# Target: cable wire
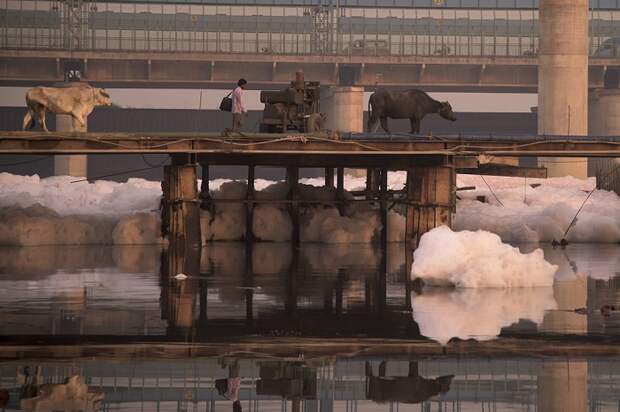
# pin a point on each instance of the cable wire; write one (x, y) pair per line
(23, 162)
(489, 186)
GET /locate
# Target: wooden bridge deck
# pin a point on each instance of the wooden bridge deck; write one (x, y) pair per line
(306, 150)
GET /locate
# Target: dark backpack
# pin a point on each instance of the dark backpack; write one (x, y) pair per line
(226, 104)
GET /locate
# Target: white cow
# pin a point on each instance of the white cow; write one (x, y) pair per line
(77, 101)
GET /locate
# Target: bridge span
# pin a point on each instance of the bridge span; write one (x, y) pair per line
(220, 70)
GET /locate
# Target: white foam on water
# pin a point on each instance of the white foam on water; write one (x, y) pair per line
(477, 259)
(478, 314)
(528, 214)
(539, 214)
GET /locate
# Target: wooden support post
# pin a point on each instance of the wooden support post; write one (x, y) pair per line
(180, 208)
(384, 210)
(292, 180)
(249, 307)
(372, 182)
(340, 190)
(290, 305)
(204, 291)
(342, 275)
(431, 200)
(249, 213)
(204, 184)
(179, 298)
(329, 177)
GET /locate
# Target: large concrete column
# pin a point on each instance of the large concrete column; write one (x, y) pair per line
(604, 120)
(73, 165)
(563, 77)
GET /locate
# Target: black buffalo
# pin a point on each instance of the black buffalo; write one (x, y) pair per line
(409, 104)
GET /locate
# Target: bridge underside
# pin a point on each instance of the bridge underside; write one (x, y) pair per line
(192, 70)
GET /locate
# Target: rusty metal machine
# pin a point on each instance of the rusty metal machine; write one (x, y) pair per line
(294, 108)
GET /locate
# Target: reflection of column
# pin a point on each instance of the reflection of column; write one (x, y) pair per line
(179, 296)
(569, 295)
(563, 386)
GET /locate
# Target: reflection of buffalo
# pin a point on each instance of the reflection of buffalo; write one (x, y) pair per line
(409, 104)
(405, 389)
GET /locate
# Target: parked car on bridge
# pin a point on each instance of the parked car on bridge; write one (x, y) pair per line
(609, 48)
(368, 48)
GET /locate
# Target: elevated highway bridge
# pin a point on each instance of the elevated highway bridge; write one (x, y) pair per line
(450, 45)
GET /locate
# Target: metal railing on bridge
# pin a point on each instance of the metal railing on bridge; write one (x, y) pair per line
(297, 27)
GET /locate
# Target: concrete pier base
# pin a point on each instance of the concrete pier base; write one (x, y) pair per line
(563, 78)
(73, 165)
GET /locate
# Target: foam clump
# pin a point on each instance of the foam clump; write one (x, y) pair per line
(478, 314)
(66, 196)
(477, 259)
(37, 225)
(138, 229)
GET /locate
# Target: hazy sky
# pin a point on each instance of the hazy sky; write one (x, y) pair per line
(190, 99)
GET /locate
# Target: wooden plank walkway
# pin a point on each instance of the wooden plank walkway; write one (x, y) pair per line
(233, 148)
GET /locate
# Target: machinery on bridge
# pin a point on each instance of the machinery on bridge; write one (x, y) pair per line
(294, 108)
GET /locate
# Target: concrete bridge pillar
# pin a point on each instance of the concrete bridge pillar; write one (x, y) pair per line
(73, 165)
(604, 120)
(563, 77)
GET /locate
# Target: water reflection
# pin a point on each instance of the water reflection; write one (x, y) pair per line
(478, 314)
(275, 290)
(317, 384)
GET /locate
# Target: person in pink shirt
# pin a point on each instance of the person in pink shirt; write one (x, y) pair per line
(238, 108)
(229, 387)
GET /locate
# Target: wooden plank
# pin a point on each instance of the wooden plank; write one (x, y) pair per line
(317, 145)
(494, 169)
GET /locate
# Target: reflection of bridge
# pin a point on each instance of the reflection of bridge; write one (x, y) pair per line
(213, 43)
(339, 383)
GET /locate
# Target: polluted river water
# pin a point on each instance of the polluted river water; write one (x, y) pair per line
(323, 327)
(333, 325)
